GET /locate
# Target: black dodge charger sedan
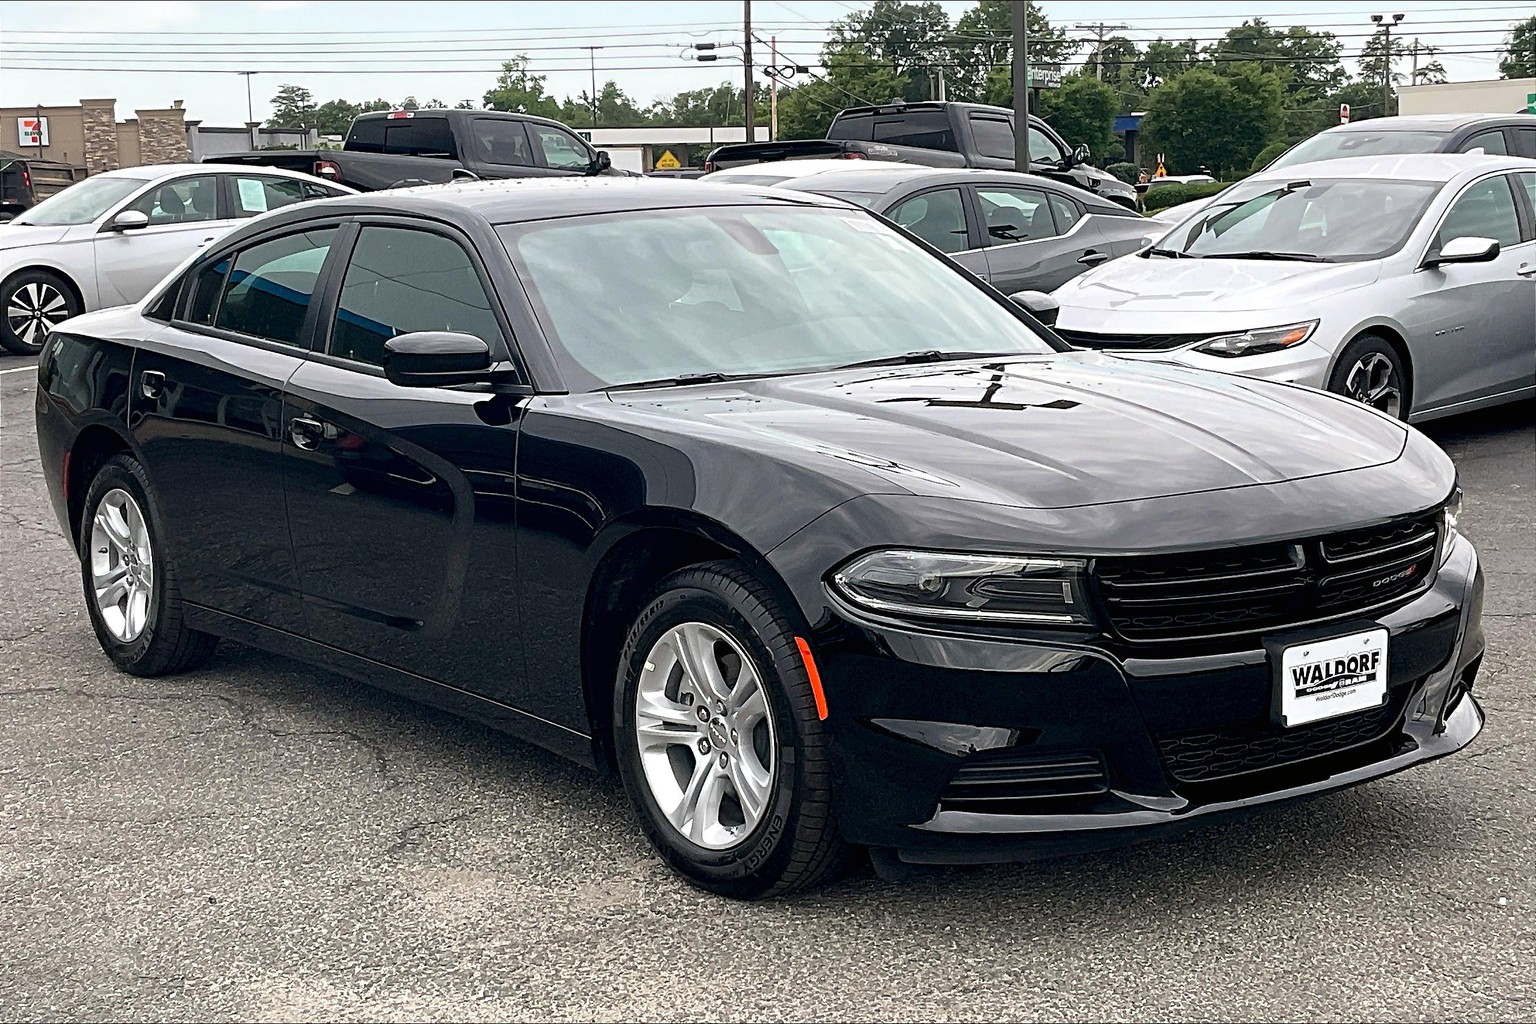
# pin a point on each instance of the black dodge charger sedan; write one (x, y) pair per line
(814, 538)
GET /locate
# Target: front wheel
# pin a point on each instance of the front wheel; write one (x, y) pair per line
(1370, 371)
(33, 302)
(719, 742)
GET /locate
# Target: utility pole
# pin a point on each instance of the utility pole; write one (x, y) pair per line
(592, 61)
(250, 111)
(1100, 30)
(773, 90)
(1020, 85)
(746, 59)
(1386, 56)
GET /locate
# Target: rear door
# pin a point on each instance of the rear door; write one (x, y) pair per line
(207, 414)
(1026, 249)
(183, 213)
(939, 217)
(401, 500)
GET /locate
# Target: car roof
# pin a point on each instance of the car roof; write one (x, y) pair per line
(892, 176)
(1439, 167)
(513, 200)
(151, 172)
(801, 168)
(1431, 122)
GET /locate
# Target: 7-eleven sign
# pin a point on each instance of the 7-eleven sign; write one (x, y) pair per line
(32, 131)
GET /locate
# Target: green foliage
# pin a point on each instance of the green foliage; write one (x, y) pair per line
(981, 50)
(1171, 195)
(1519, 59)
(293, 106)
(1268, 153)
(1082, 111)
(521, 91)
(1220, 121)
(1128, 173)
(908, 38)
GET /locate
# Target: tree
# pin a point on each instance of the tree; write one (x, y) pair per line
(1166, 59)
(465, 105)
(981, 49)
(335, 117)
(1520, 51)
(409, 103)
(1423, 71)
(1219, 121)
(910, 38)
(615, 108)
(1376, 63)
(293, 106)
(1306, 63)
(1363, 97)
(1082, 111)
(520, 91)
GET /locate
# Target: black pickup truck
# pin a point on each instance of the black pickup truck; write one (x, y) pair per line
(26, 181)
(937, 135)
(395, 148)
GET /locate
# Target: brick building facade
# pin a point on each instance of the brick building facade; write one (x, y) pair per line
(91, 136)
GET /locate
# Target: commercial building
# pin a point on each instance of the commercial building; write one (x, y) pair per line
(1500, 96)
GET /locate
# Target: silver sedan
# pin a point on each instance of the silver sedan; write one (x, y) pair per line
(1407, 282)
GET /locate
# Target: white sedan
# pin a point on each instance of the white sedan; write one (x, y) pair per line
(107, 240)
(1406, 282)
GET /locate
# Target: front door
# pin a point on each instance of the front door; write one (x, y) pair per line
(401, 500)
(183, 215)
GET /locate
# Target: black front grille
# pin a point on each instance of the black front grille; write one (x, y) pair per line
(1014, 783)
(1148, 342)
(1202, 595)
(1221, 753)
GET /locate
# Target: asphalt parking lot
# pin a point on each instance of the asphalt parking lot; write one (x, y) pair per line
(263, 840)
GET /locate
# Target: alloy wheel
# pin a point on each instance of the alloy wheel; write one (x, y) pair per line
(1373, 381)
(35, 309)
(705, 735)
(122, 565)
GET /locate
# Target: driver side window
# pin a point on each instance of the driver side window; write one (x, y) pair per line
(560, 149)
(1485, 210)
(1042, 147)
(183, 201)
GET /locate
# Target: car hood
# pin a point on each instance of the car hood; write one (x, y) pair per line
(1057, 431)
(1195, 289)
(13, 236)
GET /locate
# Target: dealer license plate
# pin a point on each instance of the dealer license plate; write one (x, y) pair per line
(1327, 678)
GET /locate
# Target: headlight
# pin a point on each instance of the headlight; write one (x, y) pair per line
(1452, 515)
(1265, 339)
(1042, 591)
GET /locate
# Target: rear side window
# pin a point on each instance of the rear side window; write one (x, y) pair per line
(501, 142)
(936, 217)
(1490, 142)
(1526, 142)
(401, 280)
(927, 129)
(259, 193)
(1015, 214)
(994, 137)
(1066, 211)
(270, 285)
(408, 136)
(855, 128)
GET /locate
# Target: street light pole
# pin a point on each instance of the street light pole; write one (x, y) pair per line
(1386, 59)
(746, 55)
(1020, 85)
(592, 60)
(250, 110)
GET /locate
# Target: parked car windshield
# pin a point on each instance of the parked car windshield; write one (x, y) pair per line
(1332, 145)
(83, 201)
(1338, 221)
(650, 295)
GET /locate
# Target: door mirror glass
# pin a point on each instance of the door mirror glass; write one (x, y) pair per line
(1044, 308)
(129, 220)
(430, 359)
(1466, 249)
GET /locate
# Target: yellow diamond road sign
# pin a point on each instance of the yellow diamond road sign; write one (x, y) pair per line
(667, 162)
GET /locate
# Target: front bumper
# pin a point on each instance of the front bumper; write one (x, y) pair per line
(1307, 363)
(914, 713)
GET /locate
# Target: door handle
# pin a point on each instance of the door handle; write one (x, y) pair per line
(1092, 259)
(206, 241)
(1526, 270)
(305, 432)
(151, 383)
(982, 275)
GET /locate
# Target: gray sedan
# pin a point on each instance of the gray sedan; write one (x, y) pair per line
(1017, 231)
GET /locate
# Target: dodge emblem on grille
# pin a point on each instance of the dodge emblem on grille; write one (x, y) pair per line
(1401, 574)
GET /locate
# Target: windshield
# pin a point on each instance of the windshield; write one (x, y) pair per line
(1338, 221)
(1332, 145)
(82, 202)
(651, 295)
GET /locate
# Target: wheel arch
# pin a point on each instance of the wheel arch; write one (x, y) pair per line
(1394, 336)
(65, 278)
(93, 445)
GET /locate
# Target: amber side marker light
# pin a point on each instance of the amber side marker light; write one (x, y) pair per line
(815, 676)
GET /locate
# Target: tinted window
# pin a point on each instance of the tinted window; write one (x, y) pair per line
(928, 129)
(1525, 142)
(1527, 179)
(1332, 145)
(560, 149)
(183, 201)
(938, 218)
(1490, 142)
(206, 289)
(270, 285)
(1043, 147)
(501, 142)
(1485, 210)
(411, 136)
(1015, 214)
(257, 193)
(994, 137)
(1066, 213)
(400, 281)
(856, 127)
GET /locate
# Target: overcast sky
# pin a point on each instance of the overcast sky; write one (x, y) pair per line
(148, 54)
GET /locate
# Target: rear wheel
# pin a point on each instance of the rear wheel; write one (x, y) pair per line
(1370, 371)
(130, 585)
(718, 739)
(32, 303)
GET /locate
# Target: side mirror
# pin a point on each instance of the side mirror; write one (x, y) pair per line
(434, 359)
(601, 162)
(129, 220)
(1044, 308)
(1081, 154)
(1466, 249)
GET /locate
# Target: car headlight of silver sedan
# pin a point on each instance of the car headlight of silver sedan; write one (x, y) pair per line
(1254, 342)
(979, 588)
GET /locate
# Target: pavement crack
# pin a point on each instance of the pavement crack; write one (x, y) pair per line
(408, 837)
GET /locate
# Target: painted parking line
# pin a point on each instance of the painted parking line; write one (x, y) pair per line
(18, 369)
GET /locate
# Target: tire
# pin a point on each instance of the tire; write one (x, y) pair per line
(792, 842)
(1370, 371)
(33, 302)
(144, 633)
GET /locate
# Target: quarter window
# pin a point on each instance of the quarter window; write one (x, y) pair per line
(1491, 143)
(400, 281)
(560, 148)
(1015, 215)
(183, 201)
(1065, 211)
(257, 194)
(1485, 210)
(938, 218)
(1527, 180)
(269, 287)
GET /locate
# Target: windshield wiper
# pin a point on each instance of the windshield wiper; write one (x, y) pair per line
(679, 380)
(926, 355)
(1172, 254)
(1265, 254)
